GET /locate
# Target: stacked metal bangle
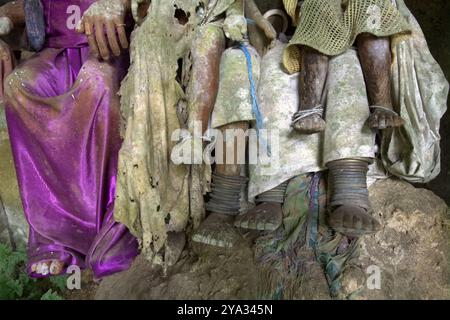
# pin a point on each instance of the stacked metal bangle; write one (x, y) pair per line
(347, 182)
(274, 195)
(225, 197)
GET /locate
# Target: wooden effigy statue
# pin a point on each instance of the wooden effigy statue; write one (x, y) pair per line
(63, 118)
(329, 28)
(345, 144)
(289, 198)
(233, 115)
(171, 85)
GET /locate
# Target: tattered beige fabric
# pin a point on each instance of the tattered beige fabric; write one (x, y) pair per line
(347, 133)
(420, 93)
(155, 196)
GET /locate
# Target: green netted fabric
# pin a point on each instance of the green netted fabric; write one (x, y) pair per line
(331, 26)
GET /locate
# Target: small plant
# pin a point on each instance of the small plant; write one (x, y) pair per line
(15, 284)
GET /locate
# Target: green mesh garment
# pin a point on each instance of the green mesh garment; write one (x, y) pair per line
(331, 26)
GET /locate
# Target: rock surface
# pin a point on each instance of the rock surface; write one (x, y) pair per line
(411, 252)
(212, 274)
(13, 226)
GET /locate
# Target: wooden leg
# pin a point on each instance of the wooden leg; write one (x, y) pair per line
(204, 76)
(234, 168)
(218, 229)
(314, 70)
(376, 60)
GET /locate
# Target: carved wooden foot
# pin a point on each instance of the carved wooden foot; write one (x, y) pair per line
(266, 216)
(217, 230)
(383, 119)
(309, 125)
(353, 221)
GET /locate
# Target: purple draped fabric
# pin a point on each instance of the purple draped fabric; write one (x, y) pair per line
(61, 18)
(62, 111)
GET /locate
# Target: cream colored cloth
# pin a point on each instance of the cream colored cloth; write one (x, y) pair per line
(347, 133)
(420, 93)
(291, 153)
(233, 102)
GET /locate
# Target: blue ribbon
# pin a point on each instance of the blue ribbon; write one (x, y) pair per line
(255, 105)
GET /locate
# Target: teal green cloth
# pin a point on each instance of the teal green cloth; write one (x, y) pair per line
(284, 254)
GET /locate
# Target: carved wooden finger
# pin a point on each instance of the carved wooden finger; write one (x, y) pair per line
(112, 37)
(101, 39)
(253, 12)
(89, 31)
(120, 27)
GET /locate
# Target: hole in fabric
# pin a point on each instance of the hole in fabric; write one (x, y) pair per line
(180, 70)
(181, 16)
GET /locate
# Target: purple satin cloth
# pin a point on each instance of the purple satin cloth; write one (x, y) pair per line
(61, 18)
(63, 115)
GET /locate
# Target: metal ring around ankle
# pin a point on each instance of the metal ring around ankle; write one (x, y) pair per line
(274, 195)
(348, 183)
(225, 197)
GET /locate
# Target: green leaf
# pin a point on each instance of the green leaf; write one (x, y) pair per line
(15, 282)
(60, 282)
(10, 289)
(51, 295)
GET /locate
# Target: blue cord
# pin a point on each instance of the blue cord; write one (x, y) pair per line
(255, 105)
